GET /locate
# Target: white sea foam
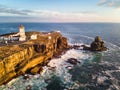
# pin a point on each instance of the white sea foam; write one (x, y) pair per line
(69, 54)
(58, 67)
(61, 66)
(111, 46)
(87, 37)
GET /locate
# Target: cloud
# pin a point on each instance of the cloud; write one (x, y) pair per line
(22, 15)
(46, 14)
(110, 3)
(6, 10)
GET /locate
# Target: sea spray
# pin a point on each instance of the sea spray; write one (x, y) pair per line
(61, 71)
(89, 74)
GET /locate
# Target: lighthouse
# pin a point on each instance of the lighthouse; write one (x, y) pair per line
(22, 33)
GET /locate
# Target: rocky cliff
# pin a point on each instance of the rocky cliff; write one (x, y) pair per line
(96, 45)
(17, 59)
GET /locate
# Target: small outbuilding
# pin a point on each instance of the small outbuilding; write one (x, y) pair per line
(33, 37)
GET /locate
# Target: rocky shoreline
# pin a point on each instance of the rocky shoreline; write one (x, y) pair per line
(30, 56)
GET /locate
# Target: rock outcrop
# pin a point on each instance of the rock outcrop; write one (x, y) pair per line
(96, 45)
(17, 59)
(73, 61)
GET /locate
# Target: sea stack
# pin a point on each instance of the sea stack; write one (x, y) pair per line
(96, 45)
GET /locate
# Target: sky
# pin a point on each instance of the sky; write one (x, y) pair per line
(59, 10)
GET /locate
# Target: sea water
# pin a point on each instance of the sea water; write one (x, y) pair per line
(95, 70)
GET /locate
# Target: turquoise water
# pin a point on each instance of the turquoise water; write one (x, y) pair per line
(96, 70)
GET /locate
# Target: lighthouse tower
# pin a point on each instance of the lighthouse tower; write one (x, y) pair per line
(22, 33)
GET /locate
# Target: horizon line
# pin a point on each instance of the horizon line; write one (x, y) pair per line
(61, 22)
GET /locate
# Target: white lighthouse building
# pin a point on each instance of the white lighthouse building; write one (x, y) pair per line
(22, 33)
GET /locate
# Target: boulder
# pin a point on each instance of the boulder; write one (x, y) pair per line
(26, 77)
(85, 47)
(75, 47)
(73, 61)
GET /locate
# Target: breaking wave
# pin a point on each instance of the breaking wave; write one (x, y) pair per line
(95, 70)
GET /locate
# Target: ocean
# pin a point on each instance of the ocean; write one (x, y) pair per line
(96, 70)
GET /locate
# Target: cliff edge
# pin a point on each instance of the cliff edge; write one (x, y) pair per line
(18, 58)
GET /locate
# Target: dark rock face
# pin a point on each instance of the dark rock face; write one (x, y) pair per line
(96, 45)
(26, 57)
(73, 61)
(62, 43)
(61, 47)
(40, 48)
(75, 47)
(85, 47)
